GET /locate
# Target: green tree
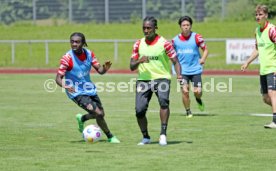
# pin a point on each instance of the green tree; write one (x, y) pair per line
(157, 7)
(11, 11)
(240, 10)
(271, 4)
(213, 8)
(17, 10)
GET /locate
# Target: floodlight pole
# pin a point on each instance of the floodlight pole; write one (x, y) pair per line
(106, 11)
(144, 8)
(223, 2)
(46, 52)
(34, 12)
(183, 7)
(70, 10)
(12, 51)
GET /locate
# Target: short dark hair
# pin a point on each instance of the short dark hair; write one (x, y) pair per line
(185, 18)
(151, 19)
(82, 38)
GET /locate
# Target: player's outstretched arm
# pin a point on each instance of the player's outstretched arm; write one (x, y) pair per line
(102, 69)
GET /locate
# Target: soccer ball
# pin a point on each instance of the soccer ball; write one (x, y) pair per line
(92, 133)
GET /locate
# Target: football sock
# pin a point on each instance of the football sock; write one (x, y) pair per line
(145, 134)
(87, 117)
(274, 117)
(188, 111)
(163, 128)
(84, 118)
(199, 101)
(108, 134)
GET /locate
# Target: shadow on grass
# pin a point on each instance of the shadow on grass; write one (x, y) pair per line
(203, 114)
(153, 142)
(77, 141)
(82, 141)
(173, 142)
(93, 151)
(197, 114)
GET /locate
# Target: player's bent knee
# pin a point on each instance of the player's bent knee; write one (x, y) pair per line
(164, 107)
(100, 113)
(140, 113)
(197, 94)
(186, 94)
(164, 104)
(90, 107)
(97, 112)
(267, 100)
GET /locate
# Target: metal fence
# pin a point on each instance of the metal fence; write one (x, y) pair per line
(46, 43)
(106, 11)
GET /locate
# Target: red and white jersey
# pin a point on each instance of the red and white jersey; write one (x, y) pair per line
(272, 34)
(198, 38)
(167, 46)
(66, 62)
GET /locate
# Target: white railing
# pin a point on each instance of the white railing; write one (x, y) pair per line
(47, 42)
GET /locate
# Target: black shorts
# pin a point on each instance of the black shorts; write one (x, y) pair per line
(145, 89)
(268, 82)
(84, 100)
(195, 79)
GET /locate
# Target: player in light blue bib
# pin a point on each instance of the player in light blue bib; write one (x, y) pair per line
(74, 76)
(187, 45)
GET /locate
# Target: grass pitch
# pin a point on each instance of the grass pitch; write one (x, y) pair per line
(39, 131)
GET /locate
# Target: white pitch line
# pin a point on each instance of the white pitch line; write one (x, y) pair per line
(260, 114)
(182, 111)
